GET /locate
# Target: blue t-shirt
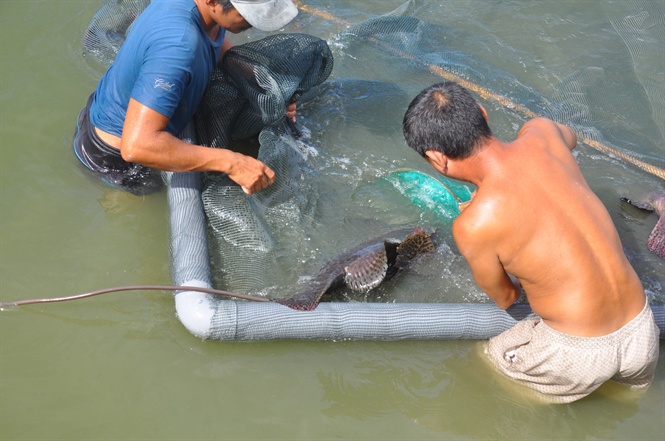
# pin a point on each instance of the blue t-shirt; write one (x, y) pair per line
(165, 64)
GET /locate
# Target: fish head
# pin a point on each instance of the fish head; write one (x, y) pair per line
(653, 201)
(657, 200)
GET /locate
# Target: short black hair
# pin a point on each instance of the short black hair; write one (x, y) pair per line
(226, 4)
(445, 117)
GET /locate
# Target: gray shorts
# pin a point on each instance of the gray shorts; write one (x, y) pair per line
(566, 368)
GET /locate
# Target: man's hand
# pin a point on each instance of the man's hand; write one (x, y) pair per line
(145, 141)
(251, 174)
(291, 112)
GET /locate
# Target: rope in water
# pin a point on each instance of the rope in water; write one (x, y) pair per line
(490, 96)
(136, 288)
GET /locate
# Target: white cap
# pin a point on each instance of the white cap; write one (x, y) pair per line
(266, 15)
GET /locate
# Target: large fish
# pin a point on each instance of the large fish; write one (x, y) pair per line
(654, 201)
(363, 267)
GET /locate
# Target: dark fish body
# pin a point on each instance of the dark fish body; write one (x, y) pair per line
(363, 267)
(654, 201)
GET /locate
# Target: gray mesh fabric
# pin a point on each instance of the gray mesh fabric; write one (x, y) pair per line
(362, 321)
(189, 246)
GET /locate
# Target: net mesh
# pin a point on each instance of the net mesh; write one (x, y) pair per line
(109, 28)
(248, 96)
(577, 99)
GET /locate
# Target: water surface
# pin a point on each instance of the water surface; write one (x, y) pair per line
(123, 367)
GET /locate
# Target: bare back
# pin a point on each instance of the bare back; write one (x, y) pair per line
(535, 215)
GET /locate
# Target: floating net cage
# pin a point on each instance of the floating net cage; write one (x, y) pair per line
(223, 238)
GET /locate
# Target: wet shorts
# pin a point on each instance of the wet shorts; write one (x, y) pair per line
(566, 368)
(106, 162)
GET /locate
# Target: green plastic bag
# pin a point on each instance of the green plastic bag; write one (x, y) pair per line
(440, 196)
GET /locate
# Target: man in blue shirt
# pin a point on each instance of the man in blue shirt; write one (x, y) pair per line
(129, 129)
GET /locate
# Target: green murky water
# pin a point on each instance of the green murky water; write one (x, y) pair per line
(123, 367)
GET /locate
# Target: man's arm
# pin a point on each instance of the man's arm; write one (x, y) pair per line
(477, 247)
(146, 141)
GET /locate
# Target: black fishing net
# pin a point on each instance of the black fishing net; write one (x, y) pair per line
(248, 96)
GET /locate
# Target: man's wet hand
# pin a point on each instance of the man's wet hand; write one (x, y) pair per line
(291, 112)
(251, 174)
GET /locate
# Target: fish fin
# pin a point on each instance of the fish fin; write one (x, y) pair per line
(368, 272)
(308, 299)
(415, 243)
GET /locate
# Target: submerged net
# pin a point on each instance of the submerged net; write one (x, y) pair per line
(247, 98)
(641, 29)
(248, 233)
(109, 28)
(578, 100)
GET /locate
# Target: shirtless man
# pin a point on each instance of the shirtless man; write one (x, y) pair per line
(129, 128)
(535, 222)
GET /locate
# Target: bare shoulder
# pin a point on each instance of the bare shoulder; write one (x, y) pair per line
(538, 124)
(480, 224)
(548, 131)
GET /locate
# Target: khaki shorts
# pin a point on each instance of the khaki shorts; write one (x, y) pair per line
(566, 368)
